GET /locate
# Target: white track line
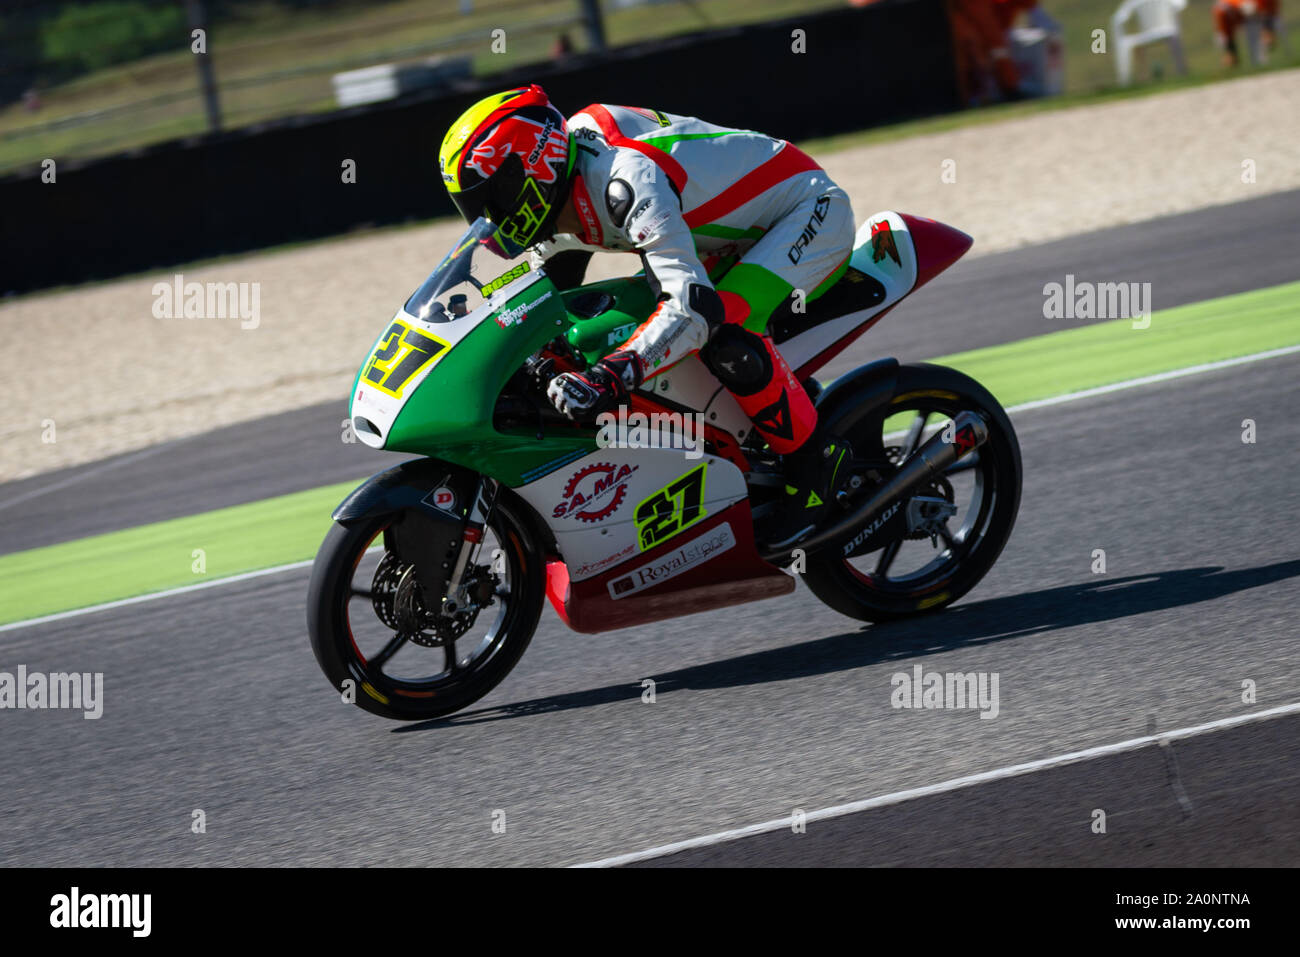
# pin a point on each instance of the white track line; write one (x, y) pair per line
(153, 596)
(1023, 407)
(955, 784)
(1158, 377)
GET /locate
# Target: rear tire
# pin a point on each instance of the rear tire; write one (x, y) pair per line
(925, 389)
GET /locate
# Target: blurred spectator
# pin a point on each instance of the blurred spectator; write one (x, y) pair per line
(563, 48)
(1008, 10)
(31, 100)
(981, 32)
(981, 48)
(1231, 14)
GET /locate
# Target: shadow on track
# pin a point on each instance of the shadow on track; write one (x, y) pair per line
(998, 619)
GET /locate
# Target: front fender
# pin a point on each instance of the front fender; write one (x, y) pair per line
(409, 484)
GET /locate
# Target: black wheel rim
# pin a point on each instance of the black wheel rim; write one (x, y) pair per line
(386, 665)
(903, 567)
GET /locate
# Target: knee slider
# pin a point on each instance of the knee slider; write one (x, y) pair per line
(738, 358)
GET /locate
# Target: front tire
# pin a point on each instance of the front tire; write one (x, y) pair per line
(872, 587)
(350, 613)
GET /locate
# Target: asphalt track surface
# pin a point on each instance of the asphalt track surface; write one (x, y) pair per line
(214, 702)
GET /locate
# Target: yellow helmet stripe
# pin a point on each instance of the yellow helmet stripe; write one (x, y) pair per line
(462, 131)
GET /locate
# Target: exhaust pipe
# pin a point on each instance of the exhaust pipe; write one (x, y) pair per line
(969, 432)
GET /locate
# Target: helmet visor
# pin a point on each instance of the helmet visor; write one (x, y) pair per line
(472, 202)
(519, 206)
(520, 223)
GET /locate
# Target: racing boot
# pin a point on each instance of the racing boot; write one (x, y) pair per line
(817, 476)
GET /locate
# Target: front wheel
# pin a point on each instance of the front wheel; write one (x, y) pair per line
(957, 522)
(376, 643)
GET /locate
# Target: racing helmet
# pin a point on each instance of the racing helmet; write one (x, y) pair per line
(509, 158)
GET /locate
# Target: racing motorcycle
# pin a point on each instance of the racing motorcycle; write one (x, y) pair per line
(431, 581)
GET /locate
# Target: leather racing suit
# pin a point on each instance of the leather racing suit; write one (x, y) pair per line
(730, 225)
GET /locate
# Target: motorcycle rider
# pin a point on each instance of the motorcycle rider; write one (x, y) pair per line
(731, 226)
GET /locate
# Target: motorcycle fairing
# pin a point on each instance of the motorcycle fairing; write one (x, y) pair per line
(590, 505)
(885, 254)
(689, 383)
(682, 576)
(375, 411)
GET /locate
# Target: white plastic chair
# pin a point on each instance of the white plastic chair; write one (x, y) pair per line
(1157, 20)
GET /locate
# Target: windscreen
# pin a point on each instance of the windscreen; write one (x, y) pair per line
(456, 286)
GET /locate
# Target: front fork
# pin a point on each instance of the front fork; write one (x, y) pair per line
(485, 496)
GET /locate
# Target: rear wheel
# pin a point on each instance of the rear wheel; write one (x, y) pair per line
(958, 522)
(375, 641)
